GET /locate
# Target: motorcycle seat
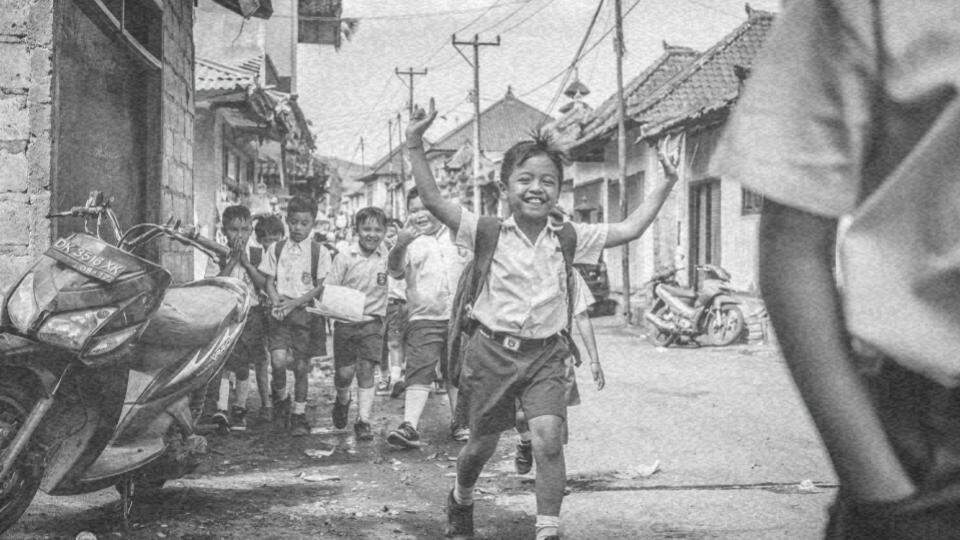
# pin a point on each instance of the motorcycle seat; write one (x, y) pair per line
(191, 315)
(680, 292)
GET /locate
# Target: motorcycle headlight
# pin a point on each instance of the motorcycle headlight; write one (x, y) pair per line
(108, 342)
(71, 330)
(22, 305)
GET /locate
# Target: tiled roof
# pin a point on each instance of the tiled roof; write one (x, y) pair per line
(211, 75)
(710, 82)
(502, 125)
(638, 90)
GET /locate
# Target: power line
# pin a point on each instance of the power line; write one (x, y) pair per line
(461, 29)
(507, 17)
(527, 18)
(401, 16)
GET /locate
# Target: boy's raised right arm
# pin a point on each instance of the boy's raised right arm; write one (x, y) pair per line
(641, 218)
(447, 212)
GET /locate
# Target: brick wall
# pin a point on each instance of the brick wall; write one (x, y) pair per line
(176, 186)
(26, 30)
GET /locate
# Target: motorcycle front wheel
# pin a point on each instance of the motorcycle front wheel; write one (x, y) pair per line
(24, 481)
(725, 325)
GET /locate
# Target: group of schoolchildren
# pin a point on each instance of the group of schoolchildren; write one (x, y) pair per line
(514, 363)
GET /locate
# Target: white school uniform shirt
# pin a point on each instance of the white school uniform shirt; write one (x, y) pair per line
(525, 293)
(431, 270)
(292, 271)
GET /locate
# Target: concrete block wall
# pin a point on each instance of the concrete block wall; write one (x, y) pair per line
(176, 178)
(26, 57)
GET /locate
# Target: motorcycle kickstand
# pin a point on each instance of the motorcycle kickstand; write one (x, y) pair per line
(127, 487)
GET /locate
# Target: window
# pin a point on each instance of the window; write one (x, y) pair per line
(752, 202)
(140, 24)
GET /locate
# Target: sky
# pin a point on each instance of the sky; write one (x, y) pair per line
(354, 92)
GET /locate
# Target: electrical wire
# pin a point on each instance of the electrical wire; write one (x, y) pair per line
(402, 16)
(576, 56)
(461, 29)
(527, 18)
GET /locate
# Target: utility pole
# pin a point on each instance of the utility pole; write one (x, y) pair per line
(411, 74)
(622, 156)
(389, 151)
(403, 174)
(476, 44)
(363, 160)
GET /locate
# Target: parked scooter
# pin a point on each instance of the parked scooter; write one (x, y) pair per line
(98, 362)
(686, 315)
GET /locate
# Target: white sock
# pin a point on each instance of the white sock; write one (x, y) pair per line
(414, 402)
(243, 393)
(223, 398)
(364, 403)
(299, 407)
(394, 373)
(547, 526)
(288, 389)
(463, 495)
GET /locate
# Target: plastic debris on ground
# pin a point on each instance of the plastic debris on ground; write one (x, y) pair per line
(640, 471)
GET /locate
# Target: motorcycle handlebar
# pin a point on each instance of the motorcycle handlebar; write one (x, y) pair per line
(78, 211)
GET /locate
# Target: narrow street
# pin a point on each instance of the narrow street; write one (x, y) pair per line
(737, 455)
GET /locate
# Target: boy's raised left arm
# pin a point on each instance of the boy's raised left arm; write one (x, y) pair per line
(641, 218)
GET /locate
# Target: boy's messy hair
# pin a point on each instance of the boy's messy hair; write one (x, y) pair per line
(268, 225)
(237, 211)
(368, 213)
(540, 143)
(302, 204)
(414, 193)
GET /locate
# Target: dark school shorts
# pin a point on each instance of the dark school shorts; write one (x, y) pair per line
(424, 347)
(249, 348)
(357, 341)
(300, 332)
(495, 378)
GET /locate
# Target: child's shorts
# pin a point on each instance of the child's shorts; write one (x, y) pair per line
(357, 341)
(299, 332)
(249, 348)
(425, 346)
(495, 377)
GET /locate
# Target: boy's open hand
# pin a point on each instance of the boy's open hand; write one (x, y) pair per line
(420, 121)
(597, 372)
(669, 161)
(408, 234)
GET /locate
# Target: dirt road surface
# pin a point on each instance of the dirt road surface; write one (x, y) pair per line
(683, 443)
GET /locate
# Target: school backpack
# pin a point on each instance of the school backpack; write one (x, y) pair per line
(474, 277)
(314, 256)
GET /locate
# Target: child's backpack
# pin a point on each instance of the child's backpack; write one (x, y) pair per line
(314, 256)
(473, 278)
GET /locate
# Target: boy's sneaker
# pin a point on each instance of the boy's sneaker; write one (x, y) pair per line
(524, 458)
(459, 519)
(398, 388)
(383, 387)
(299, 426)
(222, 421)
(405, 436)
(281, 412)
(340, 413)
(459, 433)
(238, 419)
(362, 430)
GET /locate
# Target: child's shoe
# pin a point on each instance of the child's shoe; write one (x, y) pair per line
(459, 519)
(238, 419)
(459, 433)
(383, 387)
(524, 458)
(362, 430)
(281, 413)
(299, 426)
(398, 388)
(405, 436)
(340, 413)
(222, 421)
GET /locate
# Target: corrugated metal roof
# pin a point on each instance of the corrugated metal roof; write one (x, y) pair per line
(502, 125)
(211, 75)
(709, 83)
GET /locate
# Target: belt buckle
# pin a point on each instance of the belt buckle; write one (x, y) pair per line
(511, 343)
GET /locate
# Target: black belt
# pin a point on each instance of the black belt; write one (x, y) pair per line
(514, 343)
(395, 301)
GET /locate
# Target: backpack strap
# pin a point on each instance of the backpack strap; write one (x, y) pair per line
(485, 244)
(567, 236)
(314, 260)
(256, 256)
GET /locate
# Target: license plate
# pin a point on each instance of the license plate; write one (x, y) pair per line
(88, 258)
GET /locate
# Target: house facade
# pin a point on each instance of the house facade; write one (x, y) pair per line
(95, 96)
(706, 219)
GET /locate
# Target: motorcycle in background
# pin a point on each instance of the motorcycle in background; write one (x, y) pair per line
(99, 357)
(713, 313)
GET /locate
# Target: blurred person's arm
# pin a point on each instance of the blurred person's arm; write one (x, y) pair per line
(797, 280)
